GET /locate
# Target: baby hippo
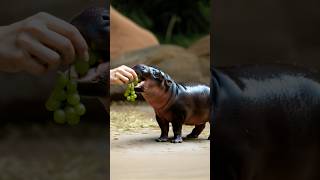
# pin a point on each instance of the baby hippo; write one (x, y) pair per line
(173, 102)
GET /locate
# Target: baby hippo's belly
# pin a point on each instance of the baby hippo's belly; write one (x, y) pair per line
(197, 119)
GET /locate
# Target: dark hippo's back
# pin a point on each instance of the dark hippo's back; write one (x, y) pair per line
(267, 123)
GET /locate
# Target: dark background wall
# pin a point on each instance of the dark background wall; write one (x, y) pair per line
(246, 32)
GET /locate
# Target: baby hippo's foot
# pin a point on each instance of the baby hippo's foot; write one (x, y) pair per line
(177, 139)
(192, 136)
(162, 139)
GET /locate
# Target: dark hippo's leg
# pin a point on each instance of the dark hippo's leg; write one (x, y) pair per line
(164, 126)
(196, 131)
(177, 128)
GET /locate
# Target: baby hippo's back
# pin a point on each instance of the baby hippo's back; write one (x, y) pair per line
(195, 101)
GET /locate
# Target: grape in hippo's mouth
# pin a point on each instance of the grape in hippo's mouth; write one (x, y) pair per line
(139, 86)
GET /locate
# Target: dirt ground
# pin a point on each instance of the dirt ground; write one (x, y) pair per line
(135, 155)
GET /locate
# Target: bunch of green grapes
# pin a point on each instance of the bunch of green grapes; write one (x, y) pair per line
(130, 94)
(64, 100)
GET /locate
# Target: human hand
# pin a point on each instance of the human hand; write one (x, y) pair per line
(122, 75)
(40, 43)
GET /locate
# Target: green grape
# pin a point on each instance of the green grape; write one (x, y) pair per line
(52, 104)
(80, 109)
(64, 100)
(59, 116)
(136, 82)
(71, 116)
(62, 80)
(130, 94)
(59, 94)
(81, 67)
(74, 120)
(73, 99)
(72, 87)
(70, 113)
(127, 92)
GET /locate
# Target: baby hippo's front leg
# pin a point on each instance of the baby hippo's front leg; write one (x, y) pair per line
(177, 128)
(164, 126)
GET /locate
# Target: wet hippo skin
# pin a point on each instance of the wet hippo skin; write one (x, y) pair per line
(266, 122)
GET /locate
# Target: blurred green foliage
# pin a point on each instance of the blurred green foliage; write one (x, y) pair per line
(173, 21)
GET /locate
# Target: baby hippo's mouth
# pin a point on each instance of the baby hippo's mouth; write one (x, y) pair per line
(139, 87)
(142, 72)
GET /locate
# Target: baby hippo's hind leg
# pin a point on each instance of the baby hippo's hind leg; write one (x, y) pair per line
(196, 131)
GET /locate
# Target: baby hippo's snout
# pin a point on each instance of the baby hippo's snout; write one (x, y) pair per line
(141, 70)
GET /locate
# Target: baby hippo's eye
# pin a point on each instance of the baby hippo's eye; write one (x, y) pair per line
(156, 75)
(159, 75)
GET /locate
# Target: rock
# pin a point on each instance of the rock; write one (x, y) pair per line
(182, 65)
(126, 36)
(201, 48)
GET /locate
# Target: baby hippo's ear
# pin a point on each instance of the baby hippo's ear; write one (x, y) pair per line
(161, 76)
(168, 83)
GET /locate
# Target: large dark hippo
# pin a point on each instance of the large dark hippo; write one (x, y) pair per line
(266, 122)
(174, 103)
